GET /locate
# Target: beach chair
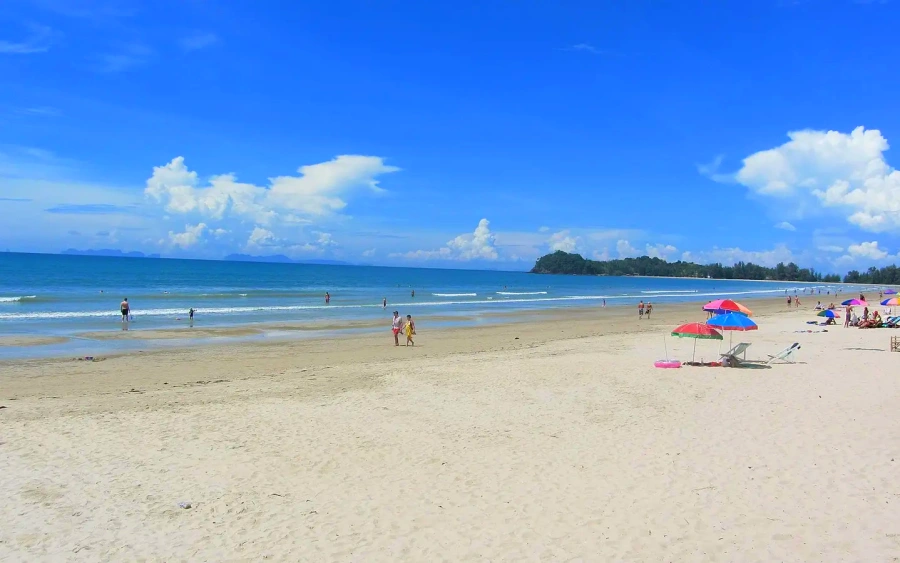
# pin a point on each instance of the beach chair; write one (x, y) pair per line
(730, 358)
(895, 344)
(786, 356)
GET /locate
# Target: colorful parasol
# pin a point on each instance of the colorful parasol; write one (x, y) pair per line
(890, 292)
(854, 303)
(892, 302)
(697, 331)
(732, 322)
(829, 314)
(727, 306)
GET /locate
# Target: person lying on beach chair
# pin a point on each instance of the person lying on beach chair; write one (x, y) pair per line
(785, 356)
(731, 359)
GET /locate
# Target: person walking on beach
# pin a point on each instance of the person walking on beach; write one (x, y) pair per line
(847, 316)
(396, 326)
(648, 309)
(410, 329)
(641, 310)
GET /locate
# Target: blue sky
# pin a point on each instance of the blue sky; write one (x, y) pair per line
(469, 134)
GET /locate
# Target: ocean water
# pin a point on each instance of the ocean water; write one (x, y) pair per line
(62, 295)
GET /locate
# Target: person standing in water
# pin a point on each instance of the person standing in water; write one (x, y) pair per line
(396, 325)
(410, 329)
(125, 309)
(413, 294)
(191, 316)
(384, 303)
(327, 298)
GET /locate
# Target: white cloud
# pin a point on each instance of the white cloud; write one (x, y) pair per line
(320, 189)
(785, 226)
(563, 240)
(544, 229)
(39, 40)
(368, 253)
(847, 172)
(830, 248)
(867, 250)
(190, 237)
(625, 250)
(729, 256)
(199, 40)
(663, 251)
(261, 237)
(480, 245)
(219, 233)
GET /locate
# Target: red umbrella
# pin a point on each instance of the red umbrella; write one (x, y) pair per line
(697, 331)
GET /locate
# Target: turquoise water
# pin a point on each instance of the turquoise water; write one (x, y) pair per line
(64, 295)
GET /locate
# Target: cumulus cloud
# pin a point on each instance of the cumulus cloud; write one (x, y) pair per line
(867, 250)
(262, 238)
(190, 237)
(728, 256)
(480, 245)
(662, 251)
(844, 171)
(319, 189)
(563, 240)
(625, 250)
(368, 253)
(785, 226)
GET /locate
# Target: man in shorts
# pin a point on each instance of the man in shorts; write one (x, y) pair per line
(396, 326)
(125, 309)
(641, 310)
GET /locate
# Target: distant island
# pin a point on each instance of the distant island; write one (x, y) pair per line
(565, 263)
(281, 259)
(107, 252)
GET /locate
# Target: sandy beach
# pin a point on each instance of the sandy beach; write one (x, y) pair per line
(548, 440)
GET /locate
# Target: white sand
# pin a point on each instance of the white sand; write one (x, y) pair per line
(522, 450)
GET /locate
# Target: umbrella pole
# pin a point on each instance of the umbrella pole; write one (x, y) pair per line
(694, 353)
(665, 347)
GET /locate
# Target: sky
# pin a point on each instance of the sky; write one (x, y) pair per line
(464, 134)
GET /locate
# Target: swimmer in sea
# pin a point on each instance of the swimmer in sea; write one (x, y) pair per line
(125, 308)
(384, 303)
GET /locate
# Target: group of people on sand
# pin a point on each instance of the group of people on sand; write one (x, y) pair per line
(407, 327)
(644, 310)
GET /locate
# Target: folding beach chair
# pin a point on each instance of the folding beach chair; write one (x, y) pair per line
(730, 358)
(786, 356)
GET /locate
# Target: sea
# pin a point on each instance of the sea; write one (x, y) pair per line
(67, 296)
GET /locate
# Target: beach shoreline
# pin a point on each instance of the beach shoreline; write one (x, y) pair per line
(139, 340)
(553, 438)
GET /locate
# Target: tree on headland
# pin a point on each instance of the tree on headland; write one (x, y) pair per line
(561, 262)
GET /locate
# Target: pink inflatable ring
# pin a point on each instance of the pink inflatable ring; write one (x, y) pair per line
(667, 364)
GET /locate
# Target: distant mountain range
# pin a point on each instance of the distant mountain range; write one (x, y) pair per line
(107, 252)
(281, 259)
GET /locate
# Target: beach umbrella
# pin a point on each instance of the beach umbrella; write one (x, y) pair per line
(892, 302)
(732, 322)
(854, 303)
(727, 306)
(697, 331)
(890, 292)
(829, 314)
